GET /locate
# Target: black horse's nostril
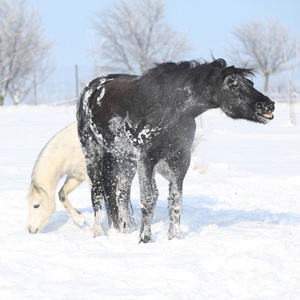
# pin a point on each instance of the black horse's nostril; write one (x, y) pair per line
(271, 106)
(267, 106)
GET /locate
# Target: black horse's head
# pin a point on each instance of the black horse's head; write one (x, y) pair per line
(239, 99)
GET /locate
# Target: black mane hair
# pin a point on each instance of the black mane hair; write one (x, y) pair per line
(195, 69)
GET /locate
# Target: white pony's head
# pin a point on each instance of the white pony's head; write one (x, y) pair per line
(41, 209)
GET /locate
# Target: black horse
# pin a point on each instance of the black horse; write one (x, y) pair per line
(147, 123)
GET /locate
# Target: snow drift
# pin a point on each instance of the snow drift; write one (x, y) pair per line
(240, 221)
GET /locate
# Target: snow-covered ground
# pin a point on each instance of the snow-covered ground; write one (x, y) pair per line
(240, 221)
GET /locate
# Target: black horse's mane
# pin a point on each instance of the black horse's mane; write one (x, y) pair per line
(195, 68)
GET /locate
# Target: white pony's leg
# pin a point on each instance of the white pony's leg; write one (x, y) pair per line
(70, 184)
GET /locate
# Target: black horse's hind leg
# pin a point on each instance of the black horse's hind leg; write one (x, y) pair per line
(117, 176)
(110, 175)
(148, 196)
(94, 163)
(126, 174)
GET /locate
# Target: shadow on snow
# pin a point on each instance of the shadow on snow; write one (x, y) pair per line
(198, 212)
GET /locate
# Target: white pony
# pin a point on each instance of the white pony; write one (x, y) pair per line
(61, 156)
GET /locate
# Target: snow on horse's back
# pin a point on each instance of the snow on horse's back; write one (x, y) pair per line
(61, 156)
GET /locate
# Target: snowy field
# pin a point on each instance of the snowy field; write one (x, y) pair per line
(240, 221)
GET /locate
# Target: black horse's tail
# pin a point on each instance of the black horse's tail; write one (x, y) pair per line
(109, 184)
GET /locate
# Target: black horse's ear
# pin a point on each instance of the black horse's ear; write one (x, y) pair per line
(228, 71)
(220, 62)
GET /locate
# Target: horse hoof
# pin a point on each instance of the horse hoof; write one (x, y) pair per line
(176, 235)
(98, 232)
(77, 217)
(145, 238)
(125, 229)
(174, 232)
(81, 222)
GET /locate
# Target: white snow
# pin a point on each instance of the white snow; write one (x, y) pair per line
(240, 221)
(146, 133)
(101, 96)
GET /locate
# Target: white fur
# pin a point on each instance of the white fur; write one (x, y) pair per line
(61, 156)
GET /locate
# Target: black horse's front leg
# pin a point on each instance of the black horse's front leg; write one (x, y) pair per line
(178, 167)
(175, 206)
(147, 197)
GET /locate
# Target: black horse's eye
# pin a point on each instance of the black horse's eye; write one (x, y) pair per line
(36, 205)
(234, 86)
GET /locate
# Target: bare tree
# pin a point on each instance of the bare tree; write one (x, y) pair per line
(24, 54)
(290, 73)
(133, 36)
(265, 46)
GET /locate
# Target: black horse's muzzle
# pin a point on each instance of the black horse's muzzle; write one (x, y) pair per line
(264, 110)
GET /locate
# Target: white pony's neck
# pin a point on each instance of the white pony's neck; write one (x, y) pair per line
(46, 171)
